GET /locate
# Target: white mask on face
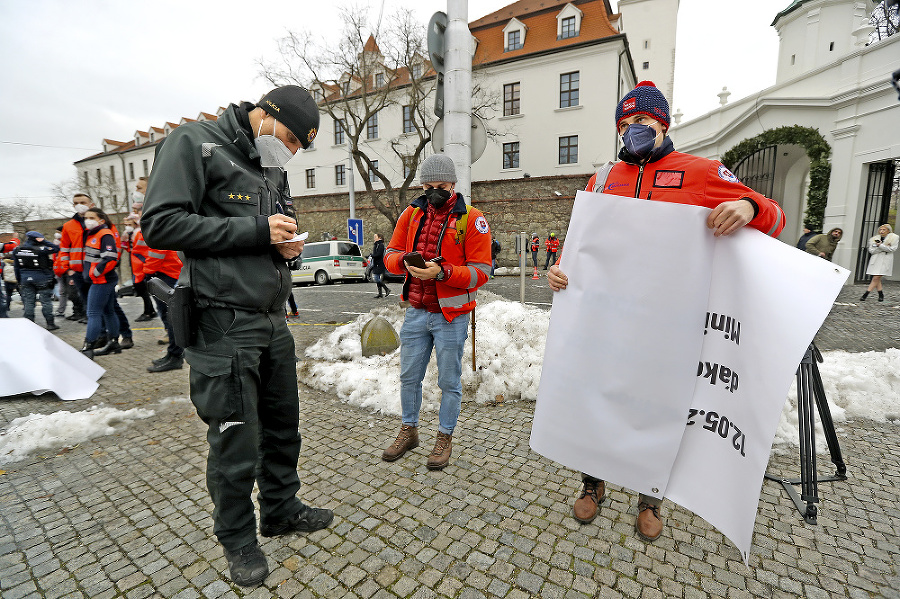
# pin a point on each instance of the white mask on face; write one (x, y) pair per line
(90, 223)
(129, 229)
(81, 208)
(57, 236)
(137, 197)
(272, 151)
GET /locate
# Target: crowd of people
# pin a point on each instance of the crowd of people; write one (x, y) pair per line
(228, 260)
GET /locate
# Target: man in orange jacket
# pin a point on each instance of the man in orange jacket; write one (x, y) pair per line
(452, 242)
(166, 266)
(650, 168)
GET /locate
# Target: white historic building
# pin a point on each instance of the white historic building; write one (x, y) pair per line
(554, 69)
(830, 78)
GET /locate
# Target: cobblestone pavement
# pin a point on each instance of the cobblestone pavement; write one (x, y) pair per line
(128, 514)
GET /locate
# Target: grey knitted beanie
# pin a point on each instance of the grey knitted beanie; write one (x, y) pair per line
(437, 167)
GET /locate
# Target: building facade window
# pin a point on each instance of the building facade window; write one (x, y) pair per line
(372, 127)
(112, 173)
(338, 132)
(372, 176)
(146, 169)
(408, 125)
(511, 155)
(340, 174)
(513, 40)
(568, 89)
(511, 104)
(567, 29)
(99, 177)
(310, 178)
(87, 182)
(646, 65)
(379, 79)
(568, 149)
(131, 171)
(416, 71)
(646, 44)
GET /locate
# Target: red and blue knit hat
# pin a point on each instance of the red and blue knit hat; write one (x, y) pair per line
(645, 98)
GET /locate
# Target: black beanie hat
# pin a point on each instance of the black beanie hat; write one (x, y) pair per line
(293, 107)
(645, 98)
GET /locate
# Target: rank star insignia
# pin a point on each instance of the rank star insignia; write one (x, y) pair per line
(230, 196)
(240, 197)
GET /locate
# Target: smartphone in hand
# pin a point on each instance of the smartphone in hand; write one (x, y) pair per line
(414, 259)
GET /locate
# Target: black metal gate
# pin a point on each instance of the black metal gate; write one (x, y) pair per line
(875, 210)
(757, 171)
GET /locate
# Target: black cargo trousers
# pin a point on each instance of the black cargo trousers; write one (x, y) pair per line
(244, 385)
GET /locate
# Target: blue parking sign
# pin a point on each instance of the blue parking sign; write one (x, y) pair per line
(355, 230)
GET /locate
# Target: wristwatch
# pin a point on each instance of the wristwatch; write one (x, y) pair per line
(440, 275)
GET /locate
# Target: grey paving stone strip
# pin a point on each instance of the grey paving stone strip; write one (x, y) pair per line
(128, 514)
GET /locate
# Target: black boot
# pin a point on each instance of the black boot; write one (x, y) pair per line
(51, 324)
(864, 296)
(881, 296)
(88, 349)
(112, 347)
(387, 291)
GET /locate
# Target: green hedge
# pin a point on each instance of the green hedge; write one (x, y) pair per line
(816, 148)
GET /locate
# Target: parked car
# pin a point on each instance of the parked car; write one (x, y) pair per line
(325, 261)
(387, 277)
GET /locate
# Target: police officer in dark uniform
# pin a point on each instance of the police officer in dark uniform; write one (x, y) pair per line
(217, 194)
(33, 264)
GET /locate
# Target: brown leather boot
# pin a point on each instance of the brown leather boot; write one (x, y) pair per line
(440, 455)
(407, 438)
(593, 494)
(648, 523)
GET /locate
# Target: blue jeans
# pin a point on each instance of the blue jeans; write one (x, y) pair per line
(422, 331)
(101, 310)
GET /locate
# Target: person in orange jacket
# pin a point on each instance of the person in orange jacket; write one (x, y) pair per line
(101, 256)
(454, 242)
(552, 245)
(71, 257)
(650, 168)
(166, 266)
(6, 247)
(133, 242)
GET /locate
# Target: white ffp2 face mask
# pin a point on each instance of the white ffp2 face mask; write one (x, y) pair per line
(81, 208)
(272, 151)
(90, 223)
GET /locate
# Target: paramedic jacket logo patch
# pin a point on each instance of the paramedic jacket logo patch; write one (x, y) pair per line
(671, 179)
(727, 175)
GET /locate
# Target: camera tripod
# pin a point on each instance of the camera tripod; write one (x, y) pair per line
(809, 389)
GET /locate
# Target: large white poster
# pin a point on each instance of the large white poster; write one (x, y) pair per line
(667, 368)
(40, 362)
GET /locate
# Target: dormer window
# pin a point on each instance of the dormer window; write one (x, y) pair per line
(379, 79)
(515, 35)
(567, 28)
(416, 71)
(568, 22)
(513, 40)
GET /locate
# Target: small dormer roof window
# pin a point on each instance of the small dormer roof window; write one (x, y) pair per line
(568, 22)
(514, 35)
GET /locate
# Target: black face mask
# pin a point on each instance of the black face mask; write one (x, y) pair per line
(436, 197)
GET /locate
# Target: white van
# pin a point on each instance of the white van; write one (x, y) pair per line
(326, 261)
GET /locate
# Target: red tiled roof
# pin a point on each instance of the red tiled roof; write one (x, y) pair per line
(539, 16)
(371, 45)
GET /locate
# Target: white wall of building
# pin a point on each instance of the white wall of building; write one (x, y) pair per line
(651, 27)
(851, 103)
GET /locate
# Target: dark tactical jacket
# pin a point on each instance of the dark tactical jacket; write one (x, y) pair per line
(209, 199)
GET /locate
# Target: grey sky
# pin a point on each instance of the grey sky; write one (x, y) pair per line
(76, 72)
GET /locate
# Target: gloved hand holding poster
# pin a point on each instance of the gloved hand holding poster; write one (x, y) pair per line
(667, 364)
